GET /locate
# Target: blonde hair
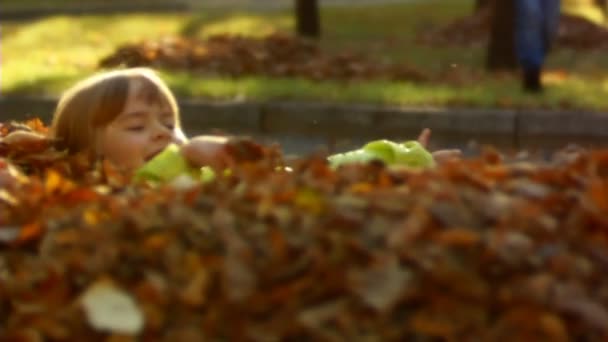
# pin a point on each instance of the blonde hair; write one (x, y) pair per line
(94, 102)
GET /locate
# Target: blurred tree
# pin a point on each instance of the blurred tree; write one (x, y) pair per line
(603, 5)
(479, 4)
(307, 18)
(501, 48)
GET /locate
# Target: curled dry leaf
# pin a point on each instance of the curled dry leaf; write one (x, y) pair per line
(382, 285)
(108, 308)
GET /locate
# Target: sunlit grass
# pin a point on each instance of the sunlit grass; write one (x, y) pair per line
(501, 93)
(46, 56)
(246, 24)
(591, 13)
(27, 4)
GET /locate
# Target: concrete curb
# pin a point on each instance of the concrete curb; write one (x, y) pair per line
(331, 121)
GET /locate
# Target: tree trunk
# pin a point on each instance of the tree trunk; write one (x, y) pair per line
(501, 46)
(307, 18)
(480, 4)
(603, 5)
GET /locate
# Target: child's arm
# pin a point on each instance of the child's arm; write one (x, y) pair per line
(201, 157)
(219, 153)
(213, 151)
(440, 156)
(207, 150)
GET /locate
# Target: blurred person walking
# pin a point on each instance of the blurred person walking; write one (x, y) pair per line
(536, 23)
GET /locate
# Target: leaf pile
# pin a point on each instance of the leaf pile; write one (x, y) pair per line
(471, 30)
(276, 55)
(579, 34)
(573, 33)
(479, 249)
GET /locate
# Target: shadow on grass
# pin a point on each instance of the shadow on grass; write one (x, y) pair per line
(194, 25)
(49, 86)
(253, 23)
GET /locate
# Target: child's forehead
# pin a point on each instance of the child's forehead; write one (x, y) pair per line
(144, 90)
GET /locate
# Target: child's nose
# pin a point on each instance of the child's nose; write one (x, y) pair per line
(162, 132)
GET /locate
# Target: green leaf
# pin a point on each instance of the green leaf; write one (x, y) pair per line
(356, 156)
(164, 167)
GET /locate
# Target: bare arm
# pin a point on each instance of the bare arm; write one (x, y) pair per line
(440, 156)
(208, 150)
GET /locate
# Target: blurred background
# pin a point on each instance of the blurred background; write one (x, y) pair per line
(453, 55)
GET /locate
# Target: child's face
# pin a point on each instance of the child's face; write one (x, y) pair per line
(139, 132)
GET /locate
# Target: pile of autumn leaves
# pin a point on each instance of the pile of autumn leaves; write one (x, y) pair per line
(283, 55)
(277, 55)
(478, 249)
(573, 32)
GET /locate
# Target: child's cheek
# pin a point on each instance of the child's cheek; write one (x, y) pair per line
(124, 150)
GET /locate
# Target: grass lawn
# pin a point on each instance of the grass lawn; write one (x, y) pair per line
(43, 57)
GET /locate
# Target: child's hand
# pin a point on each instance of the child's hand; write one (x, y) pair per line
(25, 140)
(440, 156)
(207, 150)
(10, 176)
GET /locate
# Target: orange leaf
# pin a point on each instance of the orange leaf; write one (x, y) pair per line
(460, 237)
(598, 193)
(30, 232)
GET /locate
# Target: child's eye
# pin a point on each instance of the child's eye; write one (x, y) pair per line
(135, 128)
(170, 126)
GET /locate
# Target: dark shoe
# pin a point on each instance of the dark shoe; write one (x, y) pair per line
(532, 83)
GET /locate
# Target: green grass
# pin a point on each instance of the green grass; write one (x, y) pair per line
(43, 57)
(504, 93)
(67, 3)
